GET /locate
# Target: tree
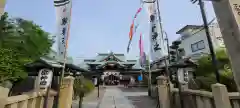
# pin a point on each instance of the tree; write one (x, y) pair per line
(10, 67)
(81, 87)
(21, 41)
(205, 71)
(6, 29)
(205, 67)
(24, 36)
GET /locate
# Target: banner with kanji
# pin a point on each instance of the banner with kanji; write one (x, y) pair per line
(63, 15)
(157, 42)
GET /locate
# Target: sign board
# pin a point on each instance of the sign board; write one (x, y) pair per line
(180, 74)
(140, 78)
(235, 5)
(45, 78)
(95, 81)
(111, 73)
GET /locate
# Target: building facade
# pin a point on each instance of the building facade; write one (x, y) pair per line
(112, 67)
(194, 40)
(194, 45)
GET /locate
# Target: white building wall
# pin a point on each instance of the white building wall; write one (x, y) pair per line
(186, 43)
(191, 37)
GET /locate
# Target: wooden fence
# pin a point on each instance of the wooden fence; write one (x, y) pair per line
(27, 100)
(35, 99)
(218, 98)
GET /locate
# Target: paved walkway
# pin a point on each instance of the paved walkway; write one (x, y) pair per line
(91, 100)
(114, 98)
(118, 97)
(139, 97)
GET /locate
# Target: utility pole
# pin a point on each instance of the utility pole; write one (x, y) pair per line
(227, 13)
(163, 39)
(210, 44)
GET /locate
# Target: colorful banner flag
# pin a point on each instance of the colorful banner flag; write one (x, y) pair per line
(63, 15)
(142, 53)
(138, 11)
(131, 31)
(143, 60)
(141, 45)
(133, 28)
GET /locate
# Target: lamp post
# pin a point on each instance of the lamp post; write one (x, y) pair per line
(210, 44)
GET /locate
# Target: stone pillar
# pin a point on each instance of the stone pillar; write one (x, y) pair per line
(163, 92)
(228, 15)
(66, 93)
(4, 92)
(52, 93)
(220, 96)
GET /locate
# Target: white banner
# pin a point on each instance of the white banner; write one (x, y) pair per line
(45, 78)
(63, 15)
(158, 48)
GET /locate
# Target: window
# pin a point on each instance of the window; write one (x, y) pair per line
(198, 46)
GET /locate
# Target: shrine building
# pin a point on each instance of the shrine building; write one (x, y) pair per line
(112, 68)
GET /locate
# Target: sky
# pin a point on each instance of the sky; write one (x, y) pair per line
(100, 26)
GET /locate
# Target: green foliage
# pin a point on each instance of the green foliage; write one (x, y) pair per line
(205, 75)
(227, 79)
(21, 42)
(205, 82)
(24, 36)
(205, 67)
(82, 86)
(10, 66)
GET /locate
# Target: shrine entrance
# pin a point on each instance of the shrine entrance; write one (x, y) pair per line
(111, 80)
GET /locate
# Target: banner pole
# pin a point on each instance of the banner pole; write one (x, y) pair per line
(65, 57)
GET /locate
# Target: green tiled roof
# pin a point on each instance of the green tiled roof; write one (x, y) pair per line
(101, 56)
(51, 62)
(94, 63)
(84, 66)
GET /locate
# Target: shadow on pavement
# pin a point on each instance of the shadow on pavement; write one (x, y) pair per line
(139, 97)
(133, 89)
(142, 101)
